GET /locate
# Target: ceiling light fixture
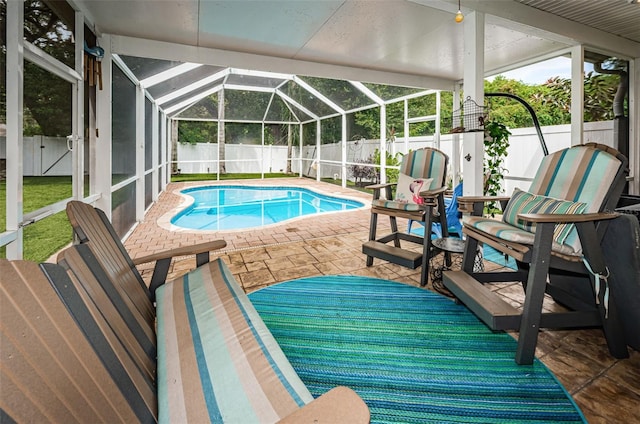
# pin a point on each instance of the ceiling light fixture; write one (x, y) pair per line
(459, 15)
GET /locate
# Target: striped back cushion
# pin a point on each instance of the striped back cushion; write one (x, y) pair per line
(217, 361)
(579, 174)
(49, 370)
(426, 163)
(523, 202)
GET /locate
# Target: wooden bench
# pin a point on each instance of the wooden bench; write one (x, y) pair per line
(77, 348)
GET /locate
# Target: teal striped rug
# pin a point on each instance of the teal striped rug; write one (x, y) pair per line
(413, 356)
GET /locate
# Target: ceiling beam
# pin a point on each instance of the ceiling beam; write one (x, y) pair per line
(178, 52)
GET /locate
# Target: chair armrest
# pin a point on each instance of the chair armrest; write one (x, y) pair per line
(570, 218)
(466, 203)
(379, 186)
(338, 405)
(181, 251)
(163, 260)
(433, 193)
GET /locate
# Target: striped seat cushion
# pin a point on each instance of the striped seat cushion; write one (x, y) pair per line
(508, 232)
(217, 361)
(396, 204)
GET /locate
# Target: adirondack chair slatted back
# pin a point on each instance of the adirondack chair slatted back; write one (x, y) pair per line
(51, 370)
(588, 174)
(426, 163)
(92, 227)
(137, 334)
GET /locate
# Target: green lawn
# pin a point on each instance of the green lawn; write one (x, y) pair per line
(49, 235)
(45, 237)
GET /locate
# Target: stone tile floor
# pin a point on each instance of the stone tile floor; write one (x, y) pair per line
(607, 390)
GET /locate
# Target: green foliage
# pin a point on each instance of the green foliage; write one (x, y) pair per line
(193, 132)
(496, 143)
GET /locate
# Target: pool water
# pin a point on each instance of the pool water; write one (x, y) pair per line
(235, 207)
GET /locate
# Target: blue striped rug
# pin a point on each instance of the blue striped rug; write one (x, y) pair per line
(413, 356)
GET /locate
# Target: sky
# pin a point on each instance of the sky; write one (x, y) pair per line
(542, 71)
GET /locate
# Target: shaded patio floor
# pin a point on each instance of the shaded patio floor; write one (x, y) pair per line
(607, 390)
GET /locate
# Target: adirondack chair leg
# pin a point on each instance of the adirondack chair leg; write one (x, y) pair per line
(535, 290)
(159, 275)
(372, 234)
(426, 248)
(394, 230)
(202, 258)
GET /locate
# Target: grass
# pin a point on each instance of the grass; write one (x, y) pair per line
(45, 237)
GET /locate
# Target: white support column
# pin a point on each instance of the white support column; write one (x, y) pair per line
(383, 144)
(577, 94)
(104, 145)
(343, 167)
(155, 149)
(436, 136)
(15, 114)
(406, 126)
(262, 151)
(455, 140)
(473, 144)
(78, 114)
(318, 148)
(140, 147)
(165, 152)
(300, 146)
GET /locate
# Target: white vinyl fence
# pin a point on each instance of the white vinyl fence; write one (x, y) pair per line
(47, 156)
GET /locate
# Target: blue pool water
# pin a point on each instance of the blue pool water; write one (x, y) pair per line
(234, 207)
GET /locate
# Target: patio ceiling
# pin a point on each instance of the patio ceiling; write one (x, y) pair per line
(398, 42)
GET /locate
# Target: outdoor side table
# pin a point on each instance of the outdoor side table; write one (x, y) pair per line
(455, 247)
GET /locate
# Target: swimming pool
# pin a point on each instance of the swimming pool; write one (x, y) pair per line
(230, 207)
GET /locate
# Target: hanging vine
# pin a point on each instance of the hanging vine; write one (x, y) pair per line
(496, 143)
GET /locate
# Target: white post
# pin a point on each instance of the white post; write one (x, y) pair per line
(634, 125)
(155, 149)
(344, 150)
(78, 115)
(140, 144)
(383, 144)
(455, 139)
(300, 146)
(436, 136)
(318, 145)
(577, 94)
(15, 115)
(473, 143)
(103, 131)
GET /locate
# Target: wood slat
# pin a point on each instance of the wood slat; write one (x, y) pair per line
(49, 371)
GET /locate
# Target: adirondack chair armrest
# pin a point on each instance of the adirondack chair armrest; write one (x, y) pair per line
(571, 218)
(434, 193)
(379, 186)
(163, 260)
(182, 251)
(467, 204)
(339, 404)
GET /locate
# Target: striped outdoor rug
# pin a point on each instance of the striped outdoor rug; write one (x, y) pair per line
(412, 355)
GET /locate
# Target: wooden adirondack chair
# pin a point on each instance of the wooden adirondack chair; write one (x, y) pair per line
(92, 225)
(554, 232)
(419, 193)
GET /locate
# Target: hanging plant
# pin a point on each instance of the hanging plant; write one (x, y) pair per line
(496, 143)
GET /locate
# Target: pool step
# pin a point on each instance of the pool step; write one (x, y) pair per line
(389, 253)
